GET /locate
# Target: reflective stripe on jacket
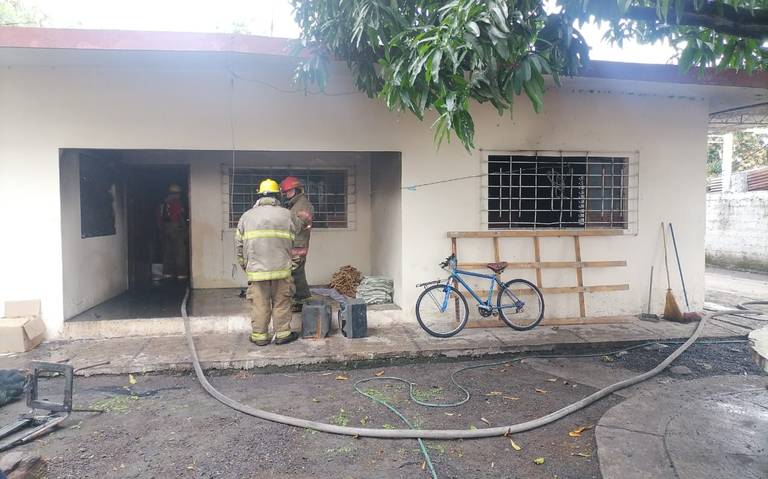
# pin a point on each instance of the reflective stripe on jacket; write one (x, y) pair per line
(303, 211)
(264, 240)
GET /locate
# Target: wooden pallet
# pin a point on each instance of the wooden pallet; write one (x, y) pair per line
(537, 264)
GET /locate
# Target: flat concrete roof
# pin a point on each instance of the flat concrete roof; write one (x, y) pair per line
(129, 40)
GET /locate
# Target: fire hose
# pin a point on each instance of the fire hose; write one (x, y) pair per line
(440, 434)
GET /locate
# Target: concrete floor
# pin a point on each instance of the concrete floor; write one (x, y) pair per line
(163, 301)
(151, 301)
(711, 427)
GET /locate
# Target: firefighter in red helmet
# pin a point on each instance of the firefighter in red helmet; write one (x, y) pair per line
(296, 199)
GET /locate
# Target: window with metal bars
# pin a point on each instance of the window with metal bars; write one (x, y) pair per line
(568, 191)
(328, 191)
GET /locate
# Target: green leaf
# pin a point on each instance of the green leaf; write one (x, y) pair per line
(435, 65)
(688, 57)
(472, 27)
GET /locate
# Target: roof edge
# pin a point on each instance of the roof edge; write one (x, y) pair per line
(135, 40)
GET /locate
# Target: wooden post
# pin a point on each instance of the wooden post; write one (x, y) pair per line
(579, 277)
(537, 258)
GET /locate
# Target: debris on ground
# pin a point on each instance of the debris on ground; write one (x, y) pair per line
(680, 370)
(577, 432)
(346, 280)
(23, 465)
(539, 460)
(11, 385)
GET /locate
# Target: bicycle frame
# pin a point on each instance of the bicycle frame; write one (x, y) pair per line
(492, 281)
(486, 304)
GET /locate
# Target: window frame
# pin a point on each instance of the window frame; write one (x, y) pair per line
(350, 193)
(633, 187)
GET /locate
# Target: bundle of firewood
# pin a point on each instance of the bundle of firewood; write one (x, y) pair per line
(346, 280)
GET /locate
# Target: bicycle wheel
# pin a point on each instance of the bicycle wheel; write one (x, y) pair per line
(442, 310)
(520, 304)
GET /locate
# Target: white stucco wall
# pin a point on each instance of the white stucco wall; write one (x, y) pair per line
(97, 267)
(737, 230)
(386, 209)
(185, 104)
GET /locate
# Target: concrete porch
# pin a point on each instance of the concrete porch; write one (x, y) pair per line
(156, 312)
(385, 343)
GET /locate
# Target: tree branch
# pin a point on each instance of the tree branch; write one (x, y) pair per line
(718, 17)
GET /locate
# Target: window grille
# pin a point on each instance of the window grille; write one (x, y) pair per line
(563, 190)
(331, 192)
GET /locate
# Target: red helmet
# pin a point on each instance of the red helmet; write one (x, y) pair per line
(290, 183)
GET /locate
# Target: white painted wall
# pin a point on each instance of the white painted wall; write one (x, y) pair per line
(96, 267)
(386, 215)
(141, 101)
(737, 230)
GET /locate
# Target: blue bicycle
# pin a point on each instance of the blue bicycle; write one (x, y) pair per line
(442, 310)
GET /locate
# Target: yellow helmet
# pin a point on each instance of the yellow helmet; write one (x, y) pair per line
(174, 188)
(269, 186)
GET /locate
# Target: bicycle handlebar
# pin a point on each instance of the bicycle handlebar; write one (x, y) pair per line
(448, 261)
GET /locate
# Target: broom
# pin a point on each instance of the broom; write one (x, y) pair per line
(671, 309)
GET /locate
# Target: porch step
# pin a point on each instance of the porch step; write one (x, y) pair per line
(174, 326)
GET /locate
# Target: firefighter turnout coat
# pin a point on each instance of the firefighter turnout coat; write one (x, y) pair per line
(264, 240)
(302, 210)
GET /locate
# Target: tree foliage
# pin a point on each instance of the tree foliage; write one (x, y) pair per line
(750, 151)
(437, 55)
(15, 13)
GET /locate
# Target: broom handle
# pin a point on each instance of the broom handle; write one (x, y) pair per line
(679, 268)
(666, 264)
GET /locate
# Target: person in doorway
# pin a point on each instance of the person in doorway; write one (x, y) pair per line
(264, 241)
(172, 222)
(301, 208)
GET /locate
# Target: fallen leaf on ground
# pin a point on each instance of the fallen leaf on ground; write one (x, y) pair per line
(341, 377)
(541, 391)
(539, 460)
(581, 454)
(485, 421)
(511, 398)
(315, 400)
(424, 466)
(514, 445)
(577, 432)
(607, 359)
(131, 379)
(380, 373)
(493, 393)
(552, 380)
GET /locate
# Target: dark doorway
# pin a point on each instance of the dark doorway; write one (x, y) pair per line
(146, 190)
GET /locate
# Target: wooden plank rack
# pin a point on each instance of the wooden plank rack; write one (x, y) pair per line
(578, 264)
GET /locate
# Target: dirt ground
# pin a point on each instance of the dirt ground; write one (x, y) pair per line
(165, 426)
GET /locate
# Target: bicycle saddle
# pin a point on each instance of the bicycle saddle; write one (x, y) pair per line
(498, 267)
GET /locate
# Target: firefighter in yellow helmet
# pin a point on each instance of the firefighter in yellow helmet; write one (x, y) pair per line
(172, 223)
(264, 240)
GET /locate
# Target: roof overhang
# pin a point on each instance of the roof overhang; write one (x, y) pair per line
(726, 91)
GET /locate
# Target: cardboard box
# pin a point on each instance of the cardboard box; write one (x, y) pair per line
(21, 329)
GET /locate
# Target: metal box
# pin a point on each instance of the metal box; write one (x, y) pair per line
(353, 318)
(316, 320)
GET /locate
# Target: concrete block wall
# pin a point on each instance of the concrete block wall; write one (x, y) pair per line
(737, 230)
